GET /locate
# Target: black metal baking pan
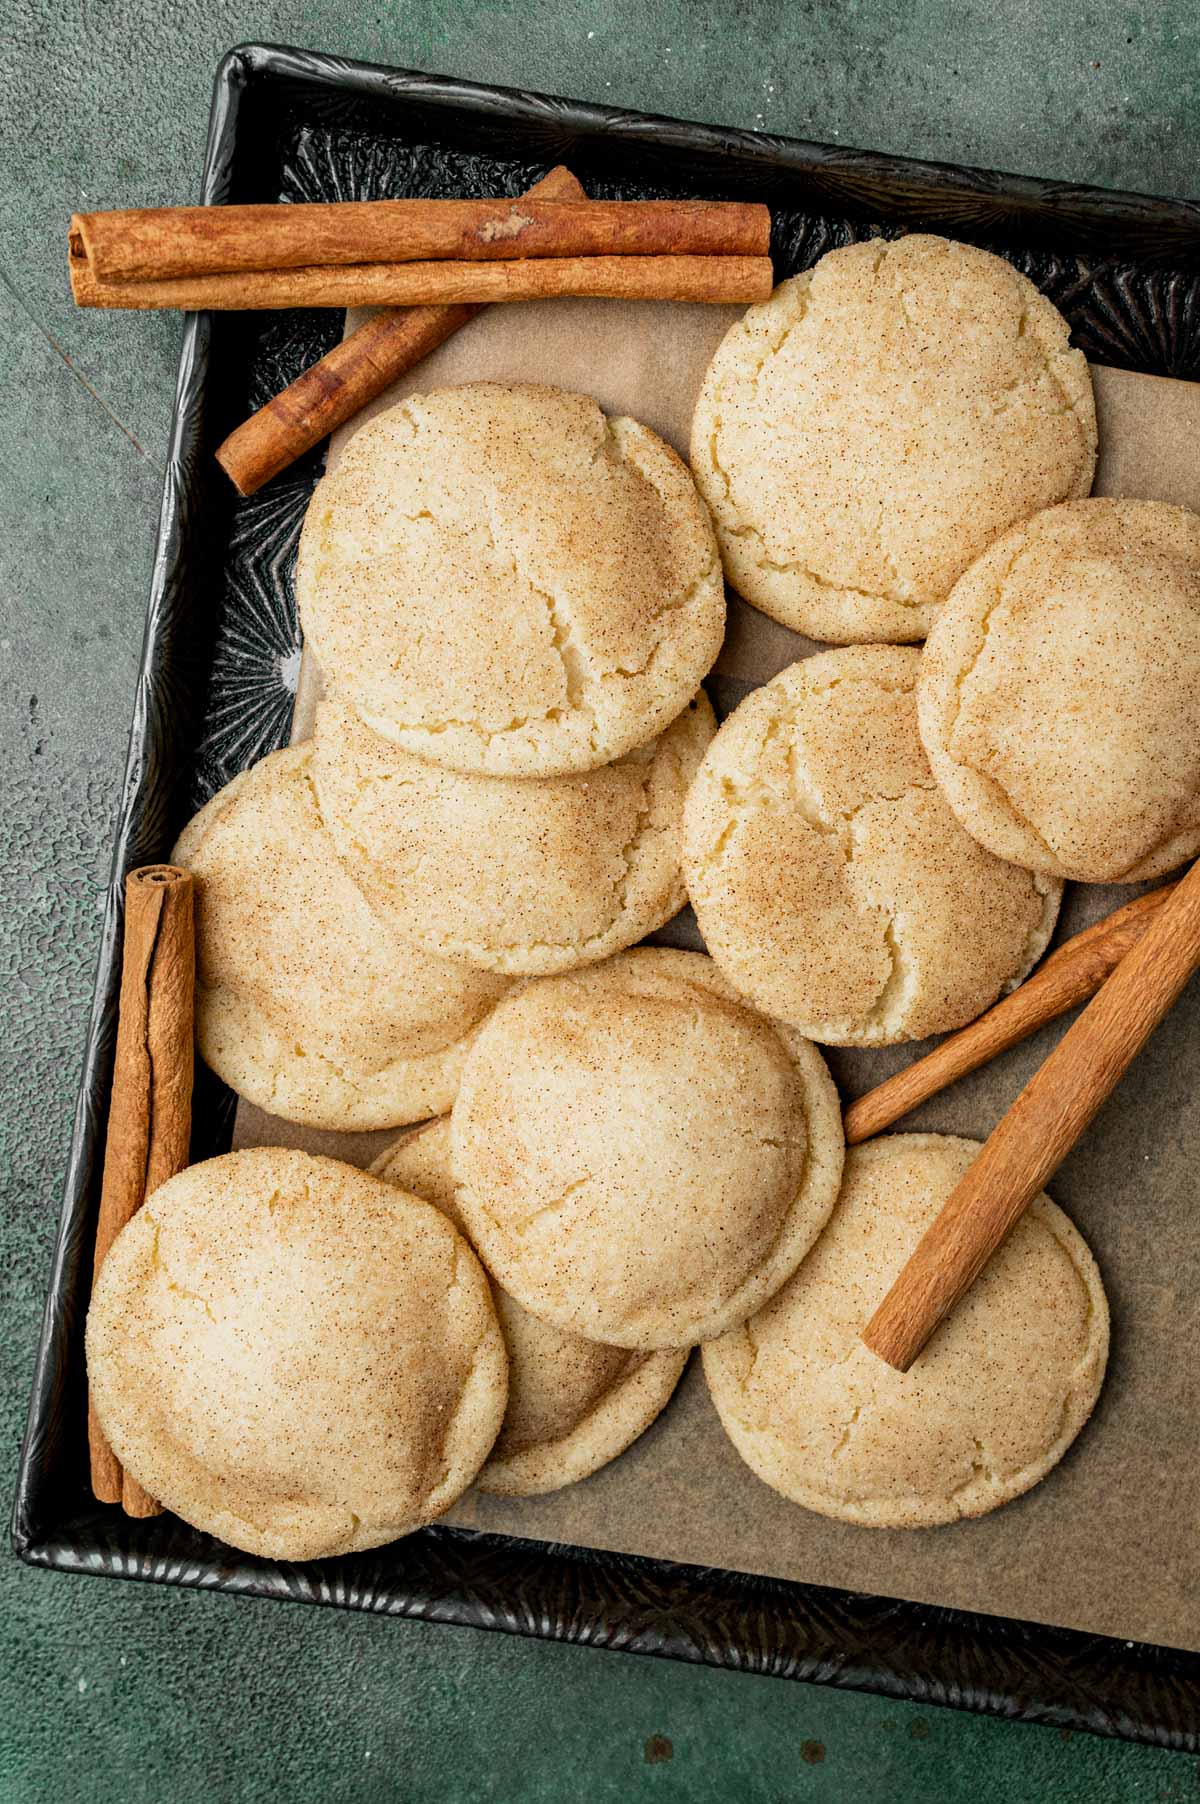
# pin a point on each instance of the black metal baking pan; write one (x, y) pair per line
(215, 692)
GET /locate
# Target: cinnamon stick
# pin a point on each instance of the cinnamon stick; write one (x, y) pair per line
(350, 377)
(1069, 976)
(150, 1110)
(710, 279)
(154, 243)
(1040, 1128)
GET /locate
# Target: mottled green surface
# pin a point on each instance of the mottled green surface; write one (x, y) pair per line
(128, 1693)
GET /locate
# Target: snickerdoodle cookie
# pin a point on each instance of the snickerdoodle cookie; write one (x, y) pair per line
(992, 1403)
(831, 881)
(525, 875)
(501, 579)
(866, 432)
(639, 1157)
(1060, 692)
(295, 1356)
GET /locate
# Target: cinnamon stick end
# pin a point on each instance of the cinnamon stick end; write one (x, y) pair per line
(138, 1503)
(245, 471)
(106, 1477)
(165, 875)
(890, 1341)
(856, 1124)
(79, 265)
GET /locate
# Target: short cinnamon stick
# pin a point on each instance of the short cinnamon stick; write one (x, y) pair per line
(710, 279)
(150, 1111)
(350, 377)
(1040, 1128)
(155, 243)
(1069, 976)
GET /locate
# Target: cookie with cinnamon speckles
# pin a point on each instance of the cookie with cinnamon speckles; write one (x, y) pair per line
(524, 876)
(991, 1405)
(831, 881)
(865, 433)
(307, 1001)
(640, 1158)
(295, 1356)
(501, 579)
(1060, 692)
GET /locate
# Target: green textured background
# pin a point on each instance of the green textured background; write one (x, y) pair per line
(122, 1692)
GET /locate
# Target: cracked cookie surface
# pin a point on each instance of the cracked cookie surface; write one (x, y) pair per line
(866, 432)
(1060, 692)
(991, 1405)
(307, 1002)
(500, 579)
(640, 1158)
(831, 881)
(573, 1404)
(295, 1356)
(530, 876)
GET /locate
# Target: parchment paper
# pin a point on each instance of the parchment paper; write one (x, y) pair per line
(1108, 1543)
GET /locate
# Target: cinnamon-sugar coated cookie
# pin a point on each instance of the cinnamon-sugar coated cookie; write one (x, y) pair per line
(989, 1407)
(294, 1356)
(1060, 692)
(832, 883)
(865, 433)
(307, 1002)
(639, 1157)
(525, 875)
(499, 578)
(573, 1405)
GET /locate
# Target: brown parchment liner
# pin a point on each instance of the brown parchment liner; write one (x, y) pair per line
(1110, 1542)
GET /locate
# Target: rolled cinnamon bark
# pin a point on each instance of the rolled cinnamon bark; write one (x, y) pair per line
(710, 279)
(350, 377)
(155, 243)
(150, 1109)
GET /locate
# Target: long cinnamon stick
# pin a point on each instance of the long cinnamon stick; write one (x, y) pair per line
(150, 1111)
(350, 377)
(710, 279)
(1069, 976)
(1040, 1128)
(153, 243)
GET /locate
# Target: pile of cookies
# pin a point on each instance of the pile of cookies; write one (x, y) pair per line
(429, 913)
